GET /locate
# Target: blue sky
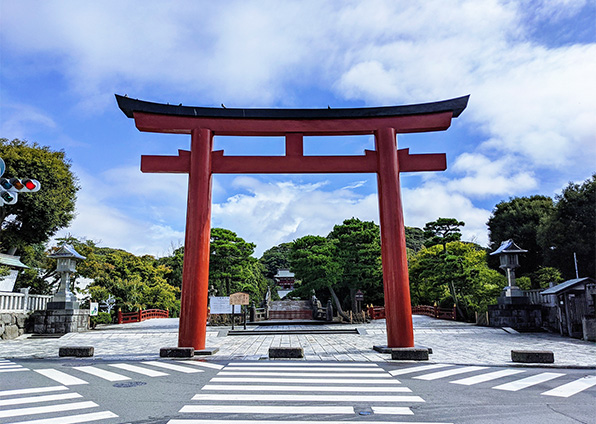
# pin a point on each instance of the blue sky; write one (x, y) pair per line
(530, 126)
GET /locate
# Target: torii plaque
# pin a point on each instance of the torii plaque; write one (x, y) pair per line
(202, 123)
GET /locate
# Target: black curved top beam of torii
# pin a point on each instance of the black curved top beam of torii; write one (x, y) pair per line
(129, 106)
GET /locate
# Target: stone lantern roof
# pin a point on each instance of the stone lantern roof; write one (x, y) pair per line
(508, 246)
(66, 252)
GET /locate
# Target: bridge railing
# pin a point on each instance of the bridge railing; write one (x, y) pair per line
(435, 312)
(141, 315)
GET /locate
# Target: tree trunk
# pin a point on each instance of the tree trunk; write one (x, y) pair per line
(338, 305)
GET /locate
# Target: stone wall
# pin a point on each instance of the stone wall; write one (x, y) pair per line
(60, 321)
(518, 317)
(12, 325)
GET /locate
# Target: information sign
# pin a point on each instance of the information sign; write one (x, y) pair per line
(239, 299)
(221, 305)
(93, 309)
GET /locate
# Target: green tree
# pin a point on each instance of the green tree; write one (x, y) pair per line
(276, 258)
(519, 219)
(175, 264)
(36, 216)
(442, 231)
(358, 253)
(459, 274)
(414, 238)
(571, 228)
(231, 266)
(313, 261)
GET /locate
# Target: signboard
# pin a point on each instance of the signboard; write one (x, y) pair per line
(221, 305)
(359, 296)
(239, 299)
(93, 309)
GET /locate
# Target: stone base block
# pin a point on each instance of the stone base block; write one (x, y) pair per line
(177, 352)
(77, 351)
(286, 352)
(533, 356)
(207, 351)
(387, 349)
(409, 354)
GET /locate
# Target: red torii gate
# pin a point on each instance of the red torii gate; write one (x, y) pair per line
(202, 123)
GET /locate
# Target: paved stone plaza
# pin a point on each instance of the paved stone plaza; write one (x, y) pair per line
(451, 342)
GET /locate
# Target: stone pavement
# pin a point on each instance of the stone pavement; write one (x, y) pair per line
(451, 342)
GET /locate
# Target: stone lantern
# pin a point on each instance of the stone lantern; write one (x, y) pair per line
(67, 259)
(509, 256)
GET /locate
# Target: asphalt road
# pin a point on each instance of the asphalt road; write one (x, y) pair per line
(194, 392)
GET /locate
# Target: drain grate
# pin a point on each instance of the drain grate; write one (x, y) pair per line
(129, 384)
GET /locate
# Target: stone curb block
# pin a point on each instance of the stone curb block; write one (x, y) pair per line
(77, 351)
(409, 354)
(286, 352)
(177, 352)
(533, 356)
(207, 351)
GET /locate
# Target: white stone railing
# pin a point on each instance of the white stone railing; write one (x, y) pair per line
(22, 302)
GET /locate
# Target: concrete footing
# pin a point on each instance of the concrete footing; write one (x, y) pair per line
(207, 351)
(177, 352)
(409, 354)
(76, 351)
(386, 349)
(533, 356)
(286, 352)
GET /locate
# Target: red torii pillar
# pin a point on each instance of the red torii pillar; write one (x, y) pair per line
(201, 162)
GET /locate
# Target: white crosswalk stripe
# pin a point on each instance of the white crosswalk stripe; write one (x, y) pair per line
(565, 390)
(60, 377)
(524, 383)
(101, 373)
(9, 366)
(32, 390)
(36, 399)
(173, 367)
(448, 373)
(8, 413)
(482, 378)
(73, 419)
(290, 390)
(251, 421)
(139, 370)
(572, 387)
(411, 370)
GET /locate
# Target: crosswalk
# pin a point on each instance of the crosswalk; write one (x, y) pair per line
(300, 393)
(57, 404)
(434, 372)
(54, 404)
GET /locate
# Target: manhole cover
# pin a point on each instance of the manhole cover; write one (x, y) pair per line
(130, 384)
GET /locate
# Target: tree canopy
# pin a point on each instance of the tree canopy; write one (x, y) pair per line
(276, 258)
(36, 216)
(571, 228)
(519, 219)
(442, 231)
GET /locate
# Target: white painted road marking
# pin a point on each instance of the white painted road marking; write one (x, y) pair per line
(304, 380)
(289, 374)
(514, 386)
(392, 410)
(73, 419)
(47, 409)
(469, 381)
(139, 370)
(35, 399)
(190, 421)
(173, 367)
(339, 389)
(98, 372)
(317, 370)
(448, 373)
(205, 364)
(60, 377)
(264, 409)
(303, 364)
(421, 368)
(33, 390)
(305, 398)
(573, 387)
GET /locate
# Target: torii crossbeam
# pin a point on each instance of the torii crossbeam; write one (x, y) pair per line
(201, 162)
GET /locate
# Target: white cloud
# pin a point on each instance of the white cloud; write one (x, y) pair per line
(18, 120)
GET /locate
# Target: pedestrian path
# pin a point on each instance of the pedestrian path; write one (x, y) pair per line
(521, 379)
(9, 366)
(49, 405)
(300, 393)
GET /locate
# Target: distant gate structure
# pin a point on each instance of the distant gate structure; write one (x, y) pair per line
(201, 162)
